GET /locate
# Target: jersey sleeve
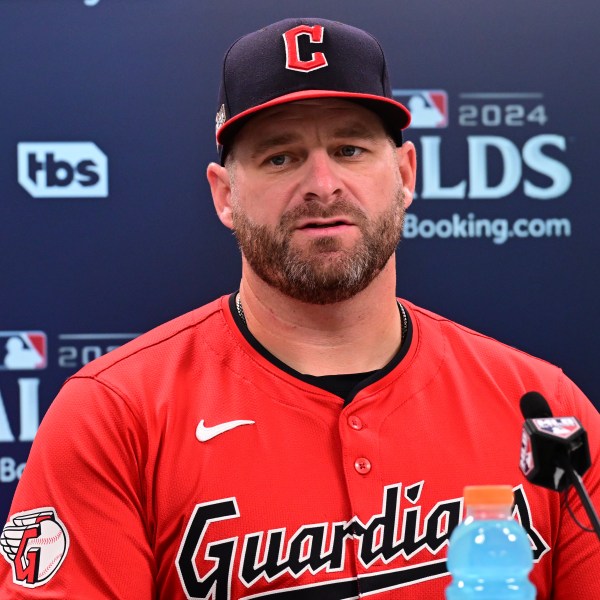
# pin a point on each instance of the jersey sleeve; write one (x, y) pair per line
(85, 474)
(576, 557)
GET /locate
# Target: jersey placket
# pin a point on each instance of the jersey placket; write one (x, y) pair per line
(361, 456)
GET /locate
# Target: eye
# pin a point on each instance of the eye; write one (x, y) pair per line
(279, 160)
(350, 151)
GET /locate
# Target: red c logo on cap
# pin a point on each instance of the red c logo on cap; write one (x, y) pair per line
(292, 53)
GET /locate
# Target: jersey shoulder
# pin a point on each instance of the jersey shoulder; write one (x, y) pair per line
(466, 344)
(166, 340)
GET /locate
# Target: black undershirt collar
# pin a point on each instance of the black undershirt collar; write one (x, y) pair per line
(347, 385)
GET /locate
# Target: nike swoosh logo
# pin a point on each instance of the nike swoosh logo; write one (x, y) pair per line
(204, 433)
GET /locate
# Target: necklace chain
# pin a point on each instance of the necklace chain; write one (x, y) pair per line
(403, 316)
(240, 310)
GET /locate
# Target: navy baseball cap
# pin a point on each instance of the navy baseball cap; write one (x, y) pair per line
(298, 59)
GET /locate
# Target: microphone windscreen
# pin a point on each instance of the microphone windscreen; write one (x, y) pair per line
(534, 406)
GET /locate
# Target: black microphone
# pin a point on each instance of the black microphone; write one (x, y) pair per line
(555, 452)
(534, 406)
(551, 445)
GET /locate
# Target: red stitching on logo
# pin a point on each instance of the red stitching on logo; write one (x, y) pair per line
(49, 567)
(46, 541)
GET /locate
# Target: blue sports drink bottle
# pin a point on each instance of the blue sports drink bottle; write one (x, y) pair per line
(490, 556)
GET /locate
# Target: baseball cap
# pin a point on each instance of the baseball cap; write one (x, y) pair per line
(302, 58)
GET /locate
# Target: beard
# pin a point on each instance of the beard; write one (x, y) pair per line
(324, 271)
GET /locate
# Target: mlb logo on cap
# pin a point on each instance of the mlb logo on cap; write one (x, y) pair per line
(23, 350)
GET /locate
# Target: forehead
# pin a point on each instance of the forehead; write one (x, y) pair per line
(331, 117)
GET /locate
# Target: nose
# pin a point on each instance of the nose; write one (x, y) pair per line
(321, 178)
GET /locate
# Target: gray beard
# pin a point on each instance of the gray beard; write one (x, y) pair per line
(324, 272)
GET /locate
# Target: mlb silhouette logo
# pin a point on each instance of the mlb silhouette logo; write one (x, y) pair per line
(560, 427)
(526, 461)
(428, 108)
(23, 350)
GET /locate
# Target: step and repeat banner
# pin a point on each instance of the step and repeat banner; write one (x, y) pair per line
(107, 112)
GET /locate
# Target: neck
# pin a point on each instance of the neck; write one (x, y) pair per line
(356, 335)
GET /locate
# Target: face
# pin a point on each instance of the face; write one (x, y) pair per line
(316, 198)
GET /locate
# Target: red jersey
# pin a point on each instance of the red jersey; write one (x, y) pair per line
(187, 465)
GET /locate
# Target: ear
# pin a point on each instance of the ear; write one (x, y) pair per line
(220, 188)
(407, 164)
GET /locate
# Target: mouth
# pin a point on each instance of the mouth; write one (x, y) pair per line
(324, 224)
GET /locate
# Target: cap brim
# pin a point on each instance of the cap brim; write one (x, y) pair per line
(395, 115)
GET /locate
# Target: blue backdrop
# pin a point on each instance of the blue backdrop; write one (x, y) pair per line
(107, 124)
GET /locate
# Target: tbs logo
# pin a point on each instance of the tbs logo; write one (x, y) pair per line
(23, 350)
(428, 108)
(63, 169)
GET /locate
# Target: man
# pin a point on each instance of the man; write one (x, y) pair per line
(309, 436)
